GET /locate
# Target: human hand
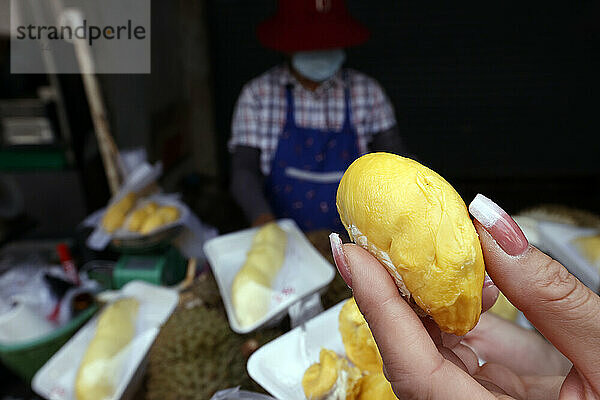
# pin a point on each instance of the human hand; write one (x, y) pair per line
(523, 351)
(421, 365)
(263, 219)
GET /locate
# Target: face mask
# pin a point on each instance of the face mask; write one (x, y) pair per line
(318, 66)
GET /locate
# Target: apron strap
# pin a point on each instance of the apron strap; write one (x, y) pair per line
(291, 118)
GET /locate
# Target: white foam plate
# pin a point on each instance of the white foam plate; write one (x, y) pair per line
(56, 379)
(279, 365)
(557, 238)
(304, 271)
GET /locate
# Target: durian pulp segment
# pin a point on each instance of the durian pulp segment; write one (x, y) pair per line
(116, 213)
(360, 239)
(98, 372)
(332, 378)
(417, 225)
(159, 217)
(357, 338)
(139, 216)
(376, 387)
(251, 288)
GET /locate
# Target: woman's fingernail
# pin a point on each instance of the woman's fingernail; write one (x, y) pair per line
(339, 256)
(499, 224)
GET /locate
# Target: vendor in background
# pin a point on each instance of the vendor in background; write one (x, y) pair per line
(298, 126)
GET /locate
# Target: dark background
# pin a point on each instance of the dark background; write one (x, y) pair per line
(499, 98)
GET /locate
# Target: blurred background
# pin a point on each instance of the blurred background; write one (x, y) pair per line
(500, 98)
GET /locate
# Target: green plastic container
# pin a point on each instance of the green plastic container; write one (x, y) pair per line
(26, 358)
(163, 268)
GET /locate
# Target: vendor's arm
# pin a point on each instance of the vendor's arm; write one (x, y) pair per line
(247, 185)
(246, 144)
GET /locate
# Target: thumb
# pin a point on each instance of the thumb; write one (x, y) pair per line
(554, 301)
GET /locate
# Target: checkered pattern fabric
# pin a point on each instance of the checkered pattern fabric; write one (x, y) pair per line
(260, 112)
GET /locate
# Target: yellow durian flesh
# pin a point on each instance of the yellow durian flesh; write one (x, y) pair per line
(99, 369)
(151, 223)
(376, 387)
(168, 214)
(331, 377)
(157, 217)
(358, 340)
(139, 216)
(251, 287)
(319, 378)
(418, 226)
(116, 213)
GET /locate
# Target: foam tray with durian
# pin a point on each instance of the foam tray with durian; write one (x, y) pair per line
(146, 216)
(138, 211)
(105, 358)
(333, 356)
(261, 272)
(357, 377)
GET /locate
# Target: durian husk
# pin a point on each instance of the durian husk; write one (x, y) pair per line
(196, 353)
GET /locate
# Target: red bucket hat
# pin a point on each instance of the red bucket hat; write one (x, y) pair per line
(305, 25)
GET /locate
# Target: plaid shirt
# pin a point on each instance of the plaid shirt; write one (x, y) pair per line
(260, 112)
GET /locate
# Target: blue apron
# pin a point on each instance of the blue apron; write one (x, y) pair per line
(307, 168)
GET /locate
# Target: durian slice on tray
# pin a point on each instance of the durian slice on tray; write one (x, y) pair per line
(358, 340)
(117, 212)
(418, 226)
(251, 289)
(332, 378)
(99, 370)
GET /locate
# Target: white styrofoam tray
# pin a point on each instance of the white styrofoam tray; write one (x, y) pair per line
(557, 239)
(304, 271)
(279, 365)
(56, 379)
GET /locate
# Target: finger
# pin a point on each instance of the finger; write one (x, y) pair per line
(453, 358)
(468, 357)
(552, 299)
(520, 387)
(507, 380)
(413, 364)
(543, 387)
(489, 295)
(524, 352)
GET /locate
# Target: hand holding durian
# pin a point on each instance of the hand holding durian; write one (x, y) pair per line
(416, 242)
